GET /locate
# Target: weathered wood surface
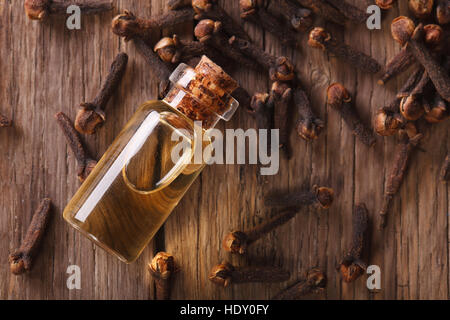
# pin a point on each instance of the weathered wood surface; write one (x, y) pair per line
(46, 68)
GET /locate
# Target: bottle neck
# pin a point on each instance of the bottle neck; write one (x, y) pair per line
(202, 94)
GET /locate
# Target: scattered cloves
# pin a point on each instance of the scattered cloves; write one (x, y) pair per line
(409, 139)
(85, 163)
(300, 19)
(434, 35)
(321, 197)
(211, 33)
(324, 9)
(404, 32)
(162, 268)
(445, 171)
(209, 9)
(340, 100)
(251, 11)
(351, 266)
(321, 39)
(308, 126)
(385, 4)
(281, 97)
(280, 68)
(314, 282)
(225, 274)
(91, 115)
(5, 121)
(129, 26)
(421, 8)
(21, 260)
(40, 9)
(349, 11)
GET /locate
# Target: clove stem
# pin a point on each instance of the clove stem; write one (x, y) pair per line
(91, 115)
(225, 274)
(351, 266)
(21, 260)
(314, 282)
(85, 163)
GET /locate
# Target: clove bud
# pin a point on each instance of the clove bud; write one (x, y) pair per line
(162, 269)
(91, 115)
(351, 266)
(321, 39)
(21, 260)
(340, 100)
(225, 274)
(314, 282)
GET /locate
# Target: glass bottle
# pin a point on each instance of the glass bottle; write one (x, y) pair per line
(138, 182)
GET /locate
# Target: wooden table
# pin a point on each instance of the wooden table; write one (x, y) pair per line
(46, 68)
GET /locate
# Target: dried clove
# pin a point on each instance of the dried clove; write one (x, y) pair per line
(404, 32)
(314, 282)
(209, 9)
(300, 19)
(225, 274)
(445, 171)
(421, 8)
(340, 100)
(351, 266)
(439, 110)
(85, 163)
(41, 9)
(404, 59)
(321, 39)
(388, 120)
(238, 241)
(349, 11)
(91, 115)
(443, 11)
(162, 268)
(411, 106)
(129, 26)
(21, 260)
(308, 126)
(281, 97)
(211, 33)
(409, 139)
(160, 69)
(5, 121)
(173, 50)
(385, 4)
(321, 197)
(280, 68)
(251, 11)
(324, 9)
(263, 110)
(178, 4)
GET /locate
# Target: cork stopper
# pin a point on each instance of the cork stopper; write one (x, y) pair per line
(203, 93)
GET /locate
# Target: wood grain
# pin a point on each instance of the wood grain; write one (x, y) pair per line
(46, 68)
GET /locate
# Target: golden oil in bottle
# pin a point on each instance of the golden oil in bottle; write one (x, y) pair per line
(138, 181)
